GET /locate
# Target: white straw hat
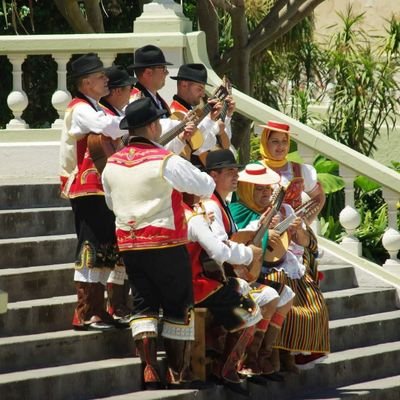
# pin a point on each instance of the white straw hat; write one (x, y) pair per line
(259, 175)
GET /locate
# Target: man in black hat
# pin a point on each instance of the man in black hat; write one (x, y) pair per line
(191, 81)
(223, 168)
(151, 69)
(143, 184)
(120, 85)
(81, 183)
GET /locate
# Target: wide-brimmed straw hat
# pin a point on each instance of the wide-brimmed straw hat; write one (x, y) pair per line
(259, 175)
(276, 127)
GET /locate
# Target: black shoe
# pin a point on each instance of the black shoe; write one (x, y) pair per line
(258, 380)
(275, 376)
(153, 386)
(237, 388)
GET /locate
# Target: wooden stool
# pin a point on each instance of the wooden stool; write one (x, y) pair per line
(199, 359)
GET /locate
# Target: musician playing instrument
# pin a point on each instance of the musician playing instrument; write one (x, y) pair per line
(222, 167)
(96, 250)
(274, 148)
(306, 326)
(151, 70)
(228, 299)
(191, 80)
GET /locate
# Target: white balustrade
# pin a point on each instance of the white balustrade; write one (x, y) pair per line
(107, 58)
(391, 238)
(349, 217)
(61, 97)
(17, 100)
(306, 153)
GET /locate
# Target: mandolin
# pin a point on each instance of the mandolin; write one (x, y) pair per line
(251, 272)
(276, 252)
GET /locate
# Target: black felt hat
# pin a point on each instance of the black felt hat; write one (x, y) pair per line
(221, 159)
(149, 56)
(140, 113)
(85, 65)
(192, 72)
(118, 77)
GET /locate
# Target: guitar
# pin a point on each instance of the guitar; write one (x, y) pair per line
(101, 147)
(223, 141)
(197, 139)
(276, 252)
(251, 272)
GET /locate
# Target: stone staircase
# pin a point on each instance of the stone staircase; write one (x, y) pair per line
(42, 358)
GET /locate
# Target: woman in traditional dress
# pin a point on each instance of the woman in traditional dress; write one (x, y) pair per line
(304, 338)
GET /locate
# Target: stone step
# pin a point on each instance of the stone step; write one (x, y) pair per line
(53, 314)
(75, 381)
(378, 389)
(31, 196)
(62, 348)
(57, 280)
(36, 222)
(217, 393)
(38, 316)
(37, 282)
(363, 331)
(339, 369)
(337, 277)
(360, 301)
(122, 376)
(39, 250)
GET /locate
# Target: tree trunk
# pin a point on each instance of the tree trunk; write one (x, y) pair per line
(94, 15)
(70, 10)
(208, 22)
(240, 68)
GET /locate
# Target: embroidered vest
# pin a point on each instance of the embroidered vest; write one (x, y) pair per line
(293, 194)
(152, 217)
(176, 106)
(79, 176)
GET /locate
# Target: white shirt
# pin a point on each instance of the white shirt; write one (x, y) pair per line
(199, 231)
(240, 253)
(85, 119)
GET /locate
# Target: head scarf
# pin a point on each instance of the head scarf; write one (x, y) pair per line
(245, 210)
(266, 155)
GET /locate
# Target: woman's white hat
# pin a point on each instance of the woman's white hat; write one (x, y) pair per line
(259, 175)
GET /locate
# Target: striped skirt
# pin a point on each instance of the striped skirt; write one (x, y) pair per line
(306, 328)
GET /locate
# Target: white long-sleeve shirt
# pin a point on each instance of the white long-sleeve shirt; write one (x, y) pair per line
(85, 119)
(240, 253)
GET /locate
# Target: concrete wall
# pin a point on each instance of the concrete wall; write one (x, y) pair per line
(376, 14)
